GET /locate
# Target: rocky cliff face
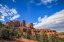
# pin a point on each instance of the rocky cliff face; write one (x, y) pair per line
(13, 23)
(22, 26)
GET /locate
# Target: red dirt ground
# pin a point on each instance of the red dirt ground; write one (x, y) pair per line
(23, 40)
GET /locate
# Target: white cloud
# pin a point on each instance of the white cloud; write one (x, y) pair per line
(38, 4)
(35, 23)
(31, 1)
(47, 1)
(7, 13)
(13, 0)
(0, 4)
(2, 18)
(13, 11)
(50, 6)
(14, 17)
(55, 21)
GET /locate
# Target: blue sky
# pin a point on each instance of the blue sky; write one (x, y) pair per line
(43, 13)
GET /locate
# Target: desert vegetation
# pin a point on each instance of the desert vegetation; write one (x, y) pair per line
(44, 38)
(10, 33)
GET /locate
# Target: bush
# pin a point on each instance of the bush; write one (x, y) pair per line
(43, 37)
(9, 33)
(27, 35)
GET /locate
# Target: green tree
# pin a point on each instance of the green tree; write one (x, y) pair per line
(9, 33)
(19, 34)
(5, 34)
(60, 39)
(53, 38)
(27, 35)
(35, 37)
(43, 37)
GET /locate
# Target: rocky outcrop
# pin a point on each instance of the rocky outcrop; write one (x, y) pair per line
(30, 27)
(13, 23)
(23, 24)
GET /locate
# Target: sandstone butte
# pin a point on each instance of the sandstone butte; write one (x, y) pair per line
(23, 27)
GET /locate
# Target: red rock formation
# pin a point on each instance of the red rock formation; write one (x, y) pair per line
(23, 23)
(61, 35)
(40, 31)
(30, 25)
(11, 23)
(17, 23)
(23, 28)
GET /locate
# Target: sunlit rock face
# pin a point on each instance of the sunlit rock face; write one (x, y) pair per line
(22, 26)
(13, 23)
(30, 25)
(17, 23)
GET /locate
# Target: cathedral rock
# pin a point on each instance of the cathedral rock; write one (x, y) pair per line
(23, 27)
